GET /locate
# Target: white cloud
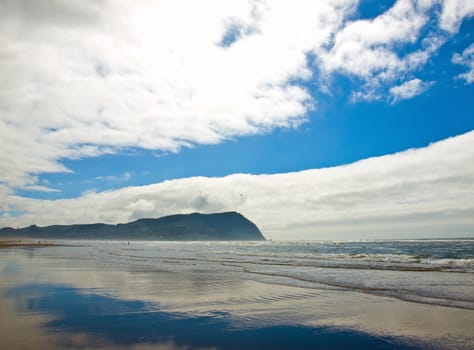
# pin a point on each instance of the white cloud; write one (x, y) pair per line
(85, 79)
(126, 176)
(365, 47)
(408, 89)
(88, 78)
(419, 192)
(382, 50)
(40, 188)
(453, 13)
(466, 59)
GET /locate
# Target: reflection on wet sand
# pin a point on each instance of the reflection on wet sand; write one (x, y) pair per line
(91, 320)
(29, 331)
(70, 297)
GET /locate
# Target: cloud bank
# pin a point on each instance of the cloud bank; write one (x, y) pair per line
(82, 79)
(417, 193)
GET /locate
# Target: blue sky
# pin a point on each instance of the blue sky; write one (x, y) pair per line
(258, 89)
(339, 131)
(342, 133)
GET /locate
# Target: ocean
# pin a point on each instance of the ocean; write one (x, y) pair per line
(387, 294)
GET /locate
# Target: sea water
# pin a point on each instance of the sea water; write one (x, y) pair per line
(439, 272)
(392, 294)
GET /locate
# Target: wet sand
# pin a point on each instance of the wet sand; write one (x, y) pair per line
(87, 297)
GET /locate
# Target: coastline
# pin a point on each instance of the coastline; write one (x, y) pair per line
(28, 244)
(246, 295)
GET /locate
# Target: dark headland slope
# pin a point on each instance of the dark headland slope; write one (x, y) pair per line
(228, 226)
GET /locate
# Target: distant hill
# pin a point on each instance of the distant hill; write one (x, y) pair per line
(230, 226)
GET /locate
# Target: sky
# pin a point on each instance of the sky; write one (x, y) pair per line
(335, 119)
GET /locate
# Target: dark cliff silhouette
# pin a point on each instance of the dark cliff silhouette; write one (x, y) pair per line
(228, 226)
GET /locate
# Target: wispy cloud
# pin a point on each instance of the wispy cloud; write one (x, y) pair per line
(426, 191)
(408, 89)
(39, 188)
(454, 12)
(126, 176)
(466, 59)
(380, 52)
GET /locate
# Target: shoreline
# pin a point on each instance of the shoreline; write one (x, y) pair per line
(28, 244)
(193, 292)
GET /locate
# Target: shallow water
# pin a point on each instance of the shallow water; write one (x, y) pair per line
(239, 295)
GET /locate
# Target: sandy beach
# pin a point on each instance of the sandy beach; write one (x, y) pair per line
(214, 295)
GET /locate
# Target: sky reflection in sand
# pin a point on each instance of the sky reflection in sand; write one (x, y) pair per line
(71, 297)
